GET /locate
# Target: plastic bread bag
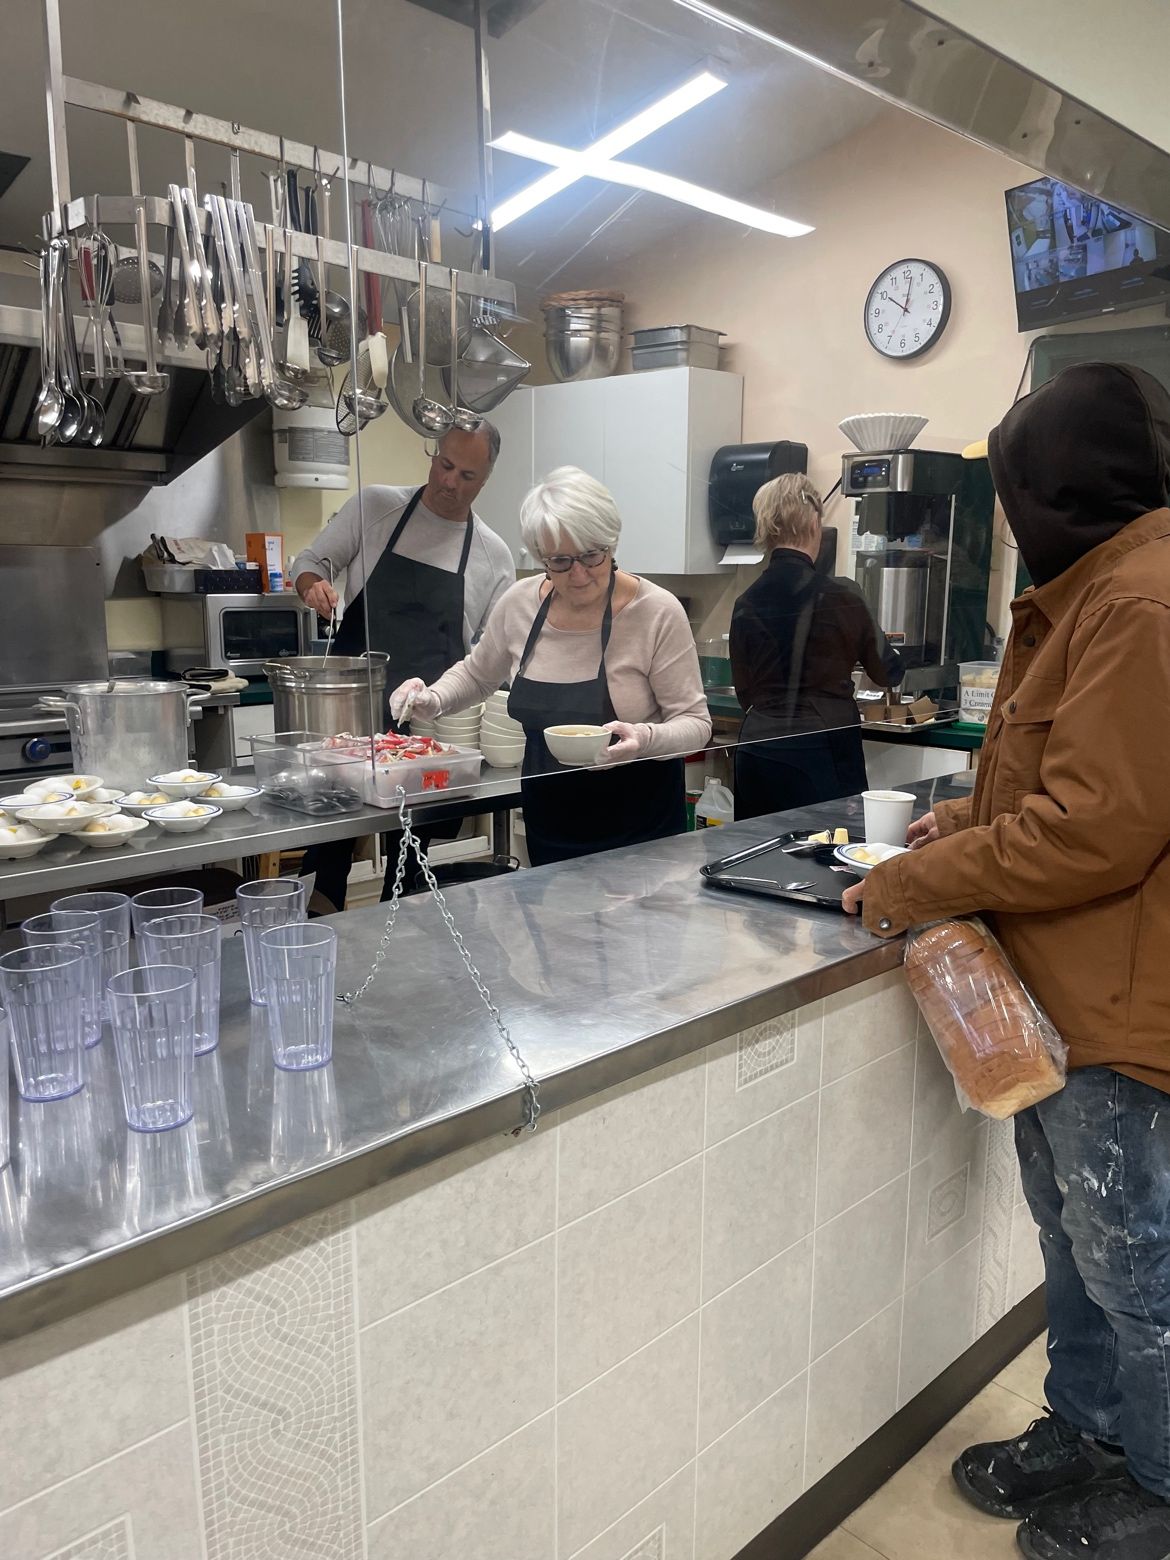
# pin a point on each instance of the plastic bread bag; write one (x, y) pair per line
(999, 1045)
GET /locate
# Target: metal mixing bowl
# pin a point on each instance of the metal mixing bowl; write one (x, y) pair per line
(583, 341)
(582, 354)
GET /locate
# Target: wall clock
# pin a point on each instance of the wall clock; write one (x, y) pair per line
(907, 309)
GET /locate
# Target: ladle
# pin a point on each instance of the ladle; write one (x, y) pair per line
(50, 403)
(432, 416)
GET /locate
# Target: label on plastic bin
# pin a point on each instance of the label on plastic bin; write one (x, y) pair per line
(436, 779)
(975, 704)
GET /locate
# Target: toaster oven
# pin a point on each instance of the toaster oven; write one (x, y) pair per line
(240, 632)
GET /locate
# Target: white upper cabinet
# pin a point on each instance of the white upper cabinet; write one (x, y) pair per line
(649, 437)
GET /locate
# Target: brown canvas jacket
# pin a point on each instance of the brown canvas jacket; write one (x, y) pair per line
(1066, 840)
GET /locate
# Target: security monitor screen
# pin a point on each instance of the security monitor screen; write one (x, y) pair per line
(1076, 256)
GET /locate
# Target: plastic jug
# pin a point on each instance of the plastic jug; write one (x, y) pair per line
(715, 806)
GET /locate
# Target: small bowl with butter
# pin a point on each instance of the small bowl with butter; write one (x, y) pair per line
(183, 817)
(108, 833)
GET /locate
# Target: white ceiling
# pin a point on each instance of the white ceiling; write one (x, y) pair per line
(567, 73)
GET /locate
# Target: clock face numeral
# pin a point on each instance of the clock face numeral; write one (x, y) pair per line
(907, 309)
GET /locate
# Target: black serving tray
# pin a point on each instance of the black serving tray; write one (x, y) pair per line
(766, 869)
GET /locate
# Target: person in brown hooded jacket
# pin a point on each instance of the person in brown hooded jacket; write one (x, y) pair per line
(1065, 845)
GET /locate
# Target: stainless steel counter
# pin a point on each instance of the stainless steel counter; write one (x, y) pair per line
(602, 968)
(261, 827)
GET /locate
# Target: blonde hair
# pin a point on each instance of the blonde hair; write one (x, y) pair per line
(788, 512)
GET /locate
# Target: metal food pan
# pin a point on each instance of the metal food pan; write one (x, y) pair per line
(700, 356)
(676, 336)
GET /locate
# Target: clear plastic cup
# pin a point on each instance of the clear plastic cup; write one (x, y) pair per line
(4, 1065)
(887, 816)
(43, 989)
(299, 962)
(155, 902)
(154, 1034)
(83, 928)
(193, 940)
(113, 911)
(264, 904)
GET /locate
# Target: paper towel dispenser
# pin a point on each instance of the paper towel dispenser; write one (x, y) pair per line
(738, 472)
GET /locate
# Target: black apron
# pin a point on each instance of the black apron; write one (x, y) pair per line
(570, 813)
(415, 611)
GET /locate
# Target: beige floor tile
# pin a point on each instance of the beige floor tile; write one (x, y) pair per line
(843, 1546)
(919, 1515)
(1025, 1375)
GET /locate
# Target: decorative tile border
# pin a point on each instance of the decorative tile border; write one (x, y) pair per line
(114, 1541)
(652, 1547)
(273, 1360)
(764, 1049)
(995, 1254)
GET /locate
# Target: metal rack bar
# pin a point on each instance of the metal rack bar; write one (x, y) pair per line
(483, 103)
(55, 106)
(223, 132)
(114, 210)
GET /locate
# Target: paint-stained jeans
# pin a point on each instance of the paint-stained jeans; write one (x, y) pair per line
(1096, 1166)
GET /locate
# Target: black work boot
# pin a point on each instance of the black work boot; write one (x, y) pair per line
(1008, 1478)
(1113, 1518)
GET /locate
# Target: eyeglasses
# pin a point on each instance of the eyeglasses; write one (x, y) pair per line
(561, 563)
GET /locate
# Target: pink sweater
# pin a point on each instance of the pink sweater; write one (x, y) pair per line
(651, 665)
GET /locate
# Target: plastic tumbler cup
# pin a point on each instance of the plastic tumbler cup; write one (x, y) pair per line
(113, 911)
(887, 816)
(154, 1034)
(193, 940)
(264, 904)
(84, 928)
(4, 1065)
(155, 902)
(43, 989)
(299, 962)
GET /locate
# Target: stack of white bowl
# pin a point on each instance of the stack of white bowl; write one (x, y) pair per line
(501, 738)
(460, 730)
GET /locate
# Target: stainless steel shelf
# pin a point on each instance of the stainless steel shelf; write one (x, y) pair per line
(62, 866)
(119, 210)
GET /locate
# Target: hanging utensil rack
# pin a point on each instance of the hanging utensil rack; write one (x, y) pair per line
(73, 214)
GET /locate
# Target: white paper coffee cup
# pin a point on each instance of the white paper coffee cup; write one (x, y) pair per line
(887, 816)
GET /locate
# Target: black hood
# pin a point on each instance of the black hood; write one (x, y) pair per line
(1078, 460)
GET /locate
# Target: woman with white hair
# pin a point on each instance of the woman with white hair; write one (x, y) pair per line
(796, 636)
(585, 643)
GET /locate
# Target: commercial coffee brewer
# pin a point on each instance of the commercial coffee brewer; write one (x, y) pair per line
(924, 552)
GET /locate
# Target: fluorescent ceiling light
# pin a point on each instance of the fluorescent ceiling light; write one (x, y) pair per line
(592, 166)
(693, 92)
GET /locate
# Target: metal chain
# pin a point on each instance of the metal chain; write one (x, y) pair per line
(408, 842)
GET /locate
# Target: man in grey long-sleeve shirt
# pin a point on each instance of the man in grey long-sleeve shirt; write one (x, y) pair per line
(335, 563)
(419, 572)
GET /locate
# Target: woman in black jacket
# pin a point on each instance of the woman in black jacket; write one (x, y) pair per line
(796, 637)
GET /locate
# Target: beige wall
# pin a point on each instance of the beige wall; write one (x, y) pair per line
(792, 309)
(1112, 57)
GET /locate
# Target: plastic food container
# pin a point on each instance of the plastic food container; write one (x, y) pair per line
(977, 684)
(169, 579)
(296, 770)
(421, 777)
(714, 662)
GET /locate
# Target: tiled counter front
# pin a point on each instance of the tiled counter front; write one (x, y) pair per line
(637, 1335)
